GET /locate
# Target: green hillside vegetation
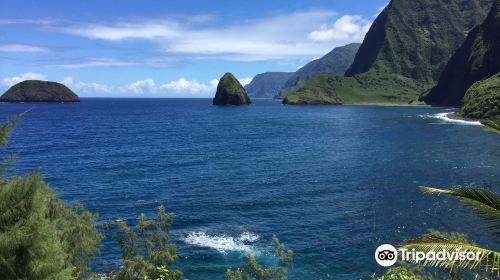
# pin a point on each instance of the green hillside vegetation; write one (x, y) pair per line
(472, 77)
(318, 91)
(359, 89)
(408, 46)
(482, 99)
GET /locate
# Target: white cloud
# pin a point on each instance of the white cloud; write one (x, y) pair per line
(82, 87)
(180, 87)
(126, 30)
(185, 86)
(245, 81)
(279, 37)
(21, 48)
(10, 81)
(140, 87)
(347, 28)
(94, 62)
(214, 83)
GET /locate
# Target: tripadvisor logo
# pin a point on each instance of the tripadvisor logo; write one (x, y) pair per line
(387, 255)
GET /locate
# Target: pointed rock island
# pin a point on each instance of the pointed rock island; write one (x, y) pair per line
(39, 91)
(230, 92)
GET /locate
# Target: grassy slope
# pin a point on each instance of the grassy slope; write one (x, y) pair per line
(321, 92)
(362, 89)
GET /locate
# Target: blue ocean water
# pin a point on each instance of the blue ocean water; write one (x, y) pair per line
(333, 182)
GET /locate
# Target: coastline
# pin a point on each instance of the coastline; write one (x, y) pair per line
(456, 118)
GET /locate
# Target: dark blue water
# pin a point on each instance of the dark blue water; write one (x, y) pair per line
(333, 182)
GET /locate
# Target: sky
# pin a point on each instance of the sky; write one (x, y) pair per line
(132, 48)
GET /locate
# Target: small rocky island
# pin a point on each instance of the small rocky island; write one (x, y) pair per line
(230, 92)
(39, 91)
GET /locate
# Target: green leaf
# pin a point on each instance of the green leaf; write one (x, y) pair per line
(488, 260)
(485, 203)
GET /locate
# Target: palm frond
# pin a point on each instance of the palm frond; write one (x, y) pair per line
(488, 260)
(485, 203)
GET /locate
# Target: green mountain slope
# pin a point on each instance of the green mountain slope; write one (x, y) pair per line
(267, 85)
(407, 47)
(335, 62)
(478, 58)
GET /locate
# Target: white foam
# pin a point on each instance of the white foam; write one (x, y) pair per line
(223, 243)
(444, 118)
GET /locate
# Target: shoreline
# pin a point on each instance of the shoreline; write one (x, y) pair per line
(456, 118)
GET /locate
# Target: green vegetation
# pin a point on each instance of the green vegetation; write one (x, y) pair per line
(40, 236)
(146, 251)
(359, 89)
(492, 125)
(406, 49)
(404, 272)
(320, 91)
(484, 203)
(256, 271)
(230, 92)
(482, 99)
(470, 77)
(402, 41)
(39, 91)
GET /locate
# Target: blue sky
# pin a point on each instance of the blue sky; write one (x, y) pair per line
(169, 48)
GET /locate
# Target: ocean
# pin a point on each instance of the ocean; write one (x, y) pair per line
(332, 182)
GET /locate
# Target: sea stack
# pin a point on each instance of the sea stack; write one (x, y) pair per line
(230, 92)
(39, 91)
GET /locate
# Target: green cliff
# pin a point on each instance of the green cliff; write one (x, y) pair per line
(471, 76)
(230, 92)
(39, 91)
(406, 49)
(482, 99)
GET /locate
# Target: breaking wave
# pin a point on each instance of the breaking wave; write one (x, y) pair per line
(445, 118)
(222, 242)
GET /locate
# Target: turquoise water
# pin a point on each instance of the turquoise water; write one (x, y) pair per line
(333, 182)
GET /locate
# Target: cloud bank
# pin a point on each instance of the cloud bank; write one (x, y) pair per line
(181, 87)
(291, 36)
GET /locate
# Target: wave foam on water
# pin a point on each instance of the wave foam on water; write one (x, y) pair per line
(444, 117)
(223, 243)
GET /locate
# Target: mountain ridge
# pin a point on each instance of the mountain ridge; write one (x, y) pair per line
(478, 58)
(406, 49)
